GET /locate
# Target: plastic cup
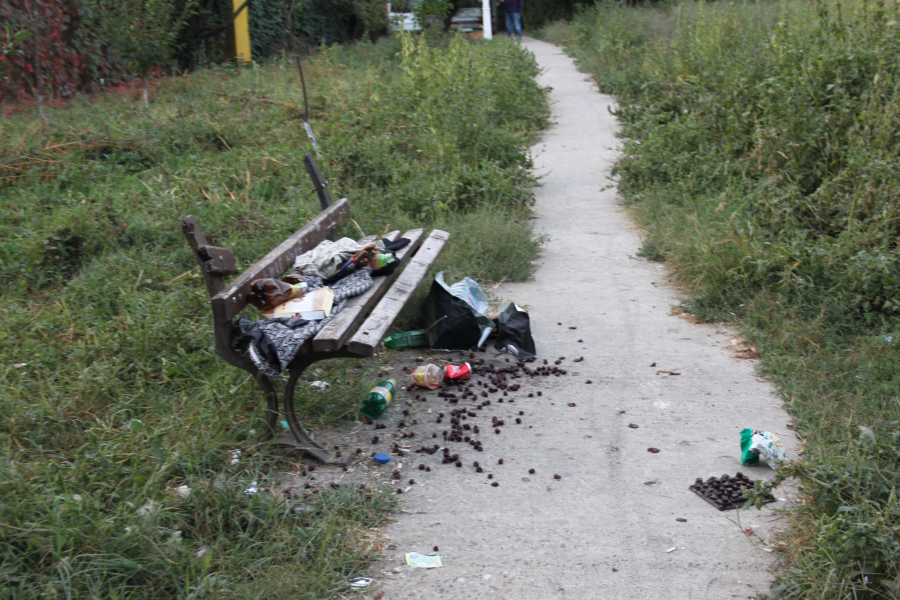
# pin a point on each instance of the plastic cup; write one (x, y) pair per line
(427, 377)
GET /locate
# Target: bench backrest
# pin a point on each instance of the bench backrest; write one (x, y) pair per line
(235, 297)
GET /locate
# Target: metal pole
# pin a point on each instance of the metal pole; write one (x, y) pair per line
(242, 50)
(487, 24)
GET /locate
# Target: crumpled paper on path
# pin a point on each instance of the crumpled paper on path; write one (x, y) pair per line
(423, 561)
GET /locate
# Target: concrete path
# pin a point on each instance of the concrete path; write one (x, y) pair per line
(600, 531)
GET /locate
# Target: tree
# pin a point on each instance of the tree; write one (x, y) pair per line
(432, 12)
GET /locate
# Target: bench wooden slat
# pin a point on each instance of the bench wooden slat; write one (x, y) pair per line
(333, 335)
(230, 301)
(366, 340)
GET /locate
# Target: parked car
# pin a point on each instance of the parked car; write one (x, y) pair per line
(403, 19)
(467, 19)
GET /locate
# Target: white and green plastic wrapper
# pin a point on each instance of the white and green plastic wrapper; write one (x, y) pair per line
(755, 442)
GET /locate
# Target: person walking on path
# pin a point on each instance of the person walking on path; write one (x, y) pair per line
(514, 16)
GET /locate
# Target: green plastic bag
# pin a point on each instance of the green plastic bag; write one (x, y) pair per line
(748, 456)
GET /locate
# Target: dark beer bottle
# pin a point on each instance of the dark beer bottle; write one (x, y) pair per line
(266, 294)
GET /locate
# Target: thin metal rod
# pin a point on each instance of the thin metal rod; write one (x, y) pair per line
(288, 24)
(303, 85)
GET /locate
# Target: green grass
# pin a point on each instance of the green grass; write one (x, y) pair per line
(111, 394)
(761, 157)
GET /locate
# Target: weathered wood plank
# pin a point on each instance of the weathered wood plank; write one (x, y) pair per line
(366, 340)
(333, 335)
(219, 261)
(230, 301)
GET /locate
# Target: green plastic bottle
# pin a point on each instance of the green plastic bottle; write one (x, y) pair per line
(379, 398)
(410, 339)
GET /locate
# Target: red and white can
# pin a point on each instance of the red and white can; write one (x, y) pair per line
(457, 372)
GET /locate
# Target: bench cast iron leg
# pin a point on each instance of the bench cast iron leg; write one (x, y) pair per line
(271, 407)
(303, 441)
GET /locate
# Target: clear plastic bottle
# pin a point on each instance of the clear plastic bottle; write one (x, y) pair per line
(428, 376)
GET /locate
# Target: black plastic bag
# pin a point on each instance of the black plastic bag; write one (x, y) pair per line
(514, 332)
(452, 324)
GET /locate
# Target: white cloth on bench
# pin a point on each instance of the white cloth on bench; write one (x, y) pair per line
(325, 259)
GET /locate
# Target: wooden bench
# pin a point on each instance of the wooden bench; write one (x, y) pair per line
(357, 331)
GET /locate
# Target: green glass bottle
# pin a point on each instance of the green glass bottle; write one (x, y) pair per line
(409, 339)
(379, 398)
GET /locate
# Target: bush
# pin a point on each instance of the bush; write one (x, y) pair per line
(315, 22)
(784, 120)
(539, 13)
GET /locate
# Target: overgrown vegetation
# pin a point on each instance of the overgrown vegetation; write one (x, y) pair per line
(81, 45)
(111, 393)
(539, 13)
(761, 154)
(314, 22)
